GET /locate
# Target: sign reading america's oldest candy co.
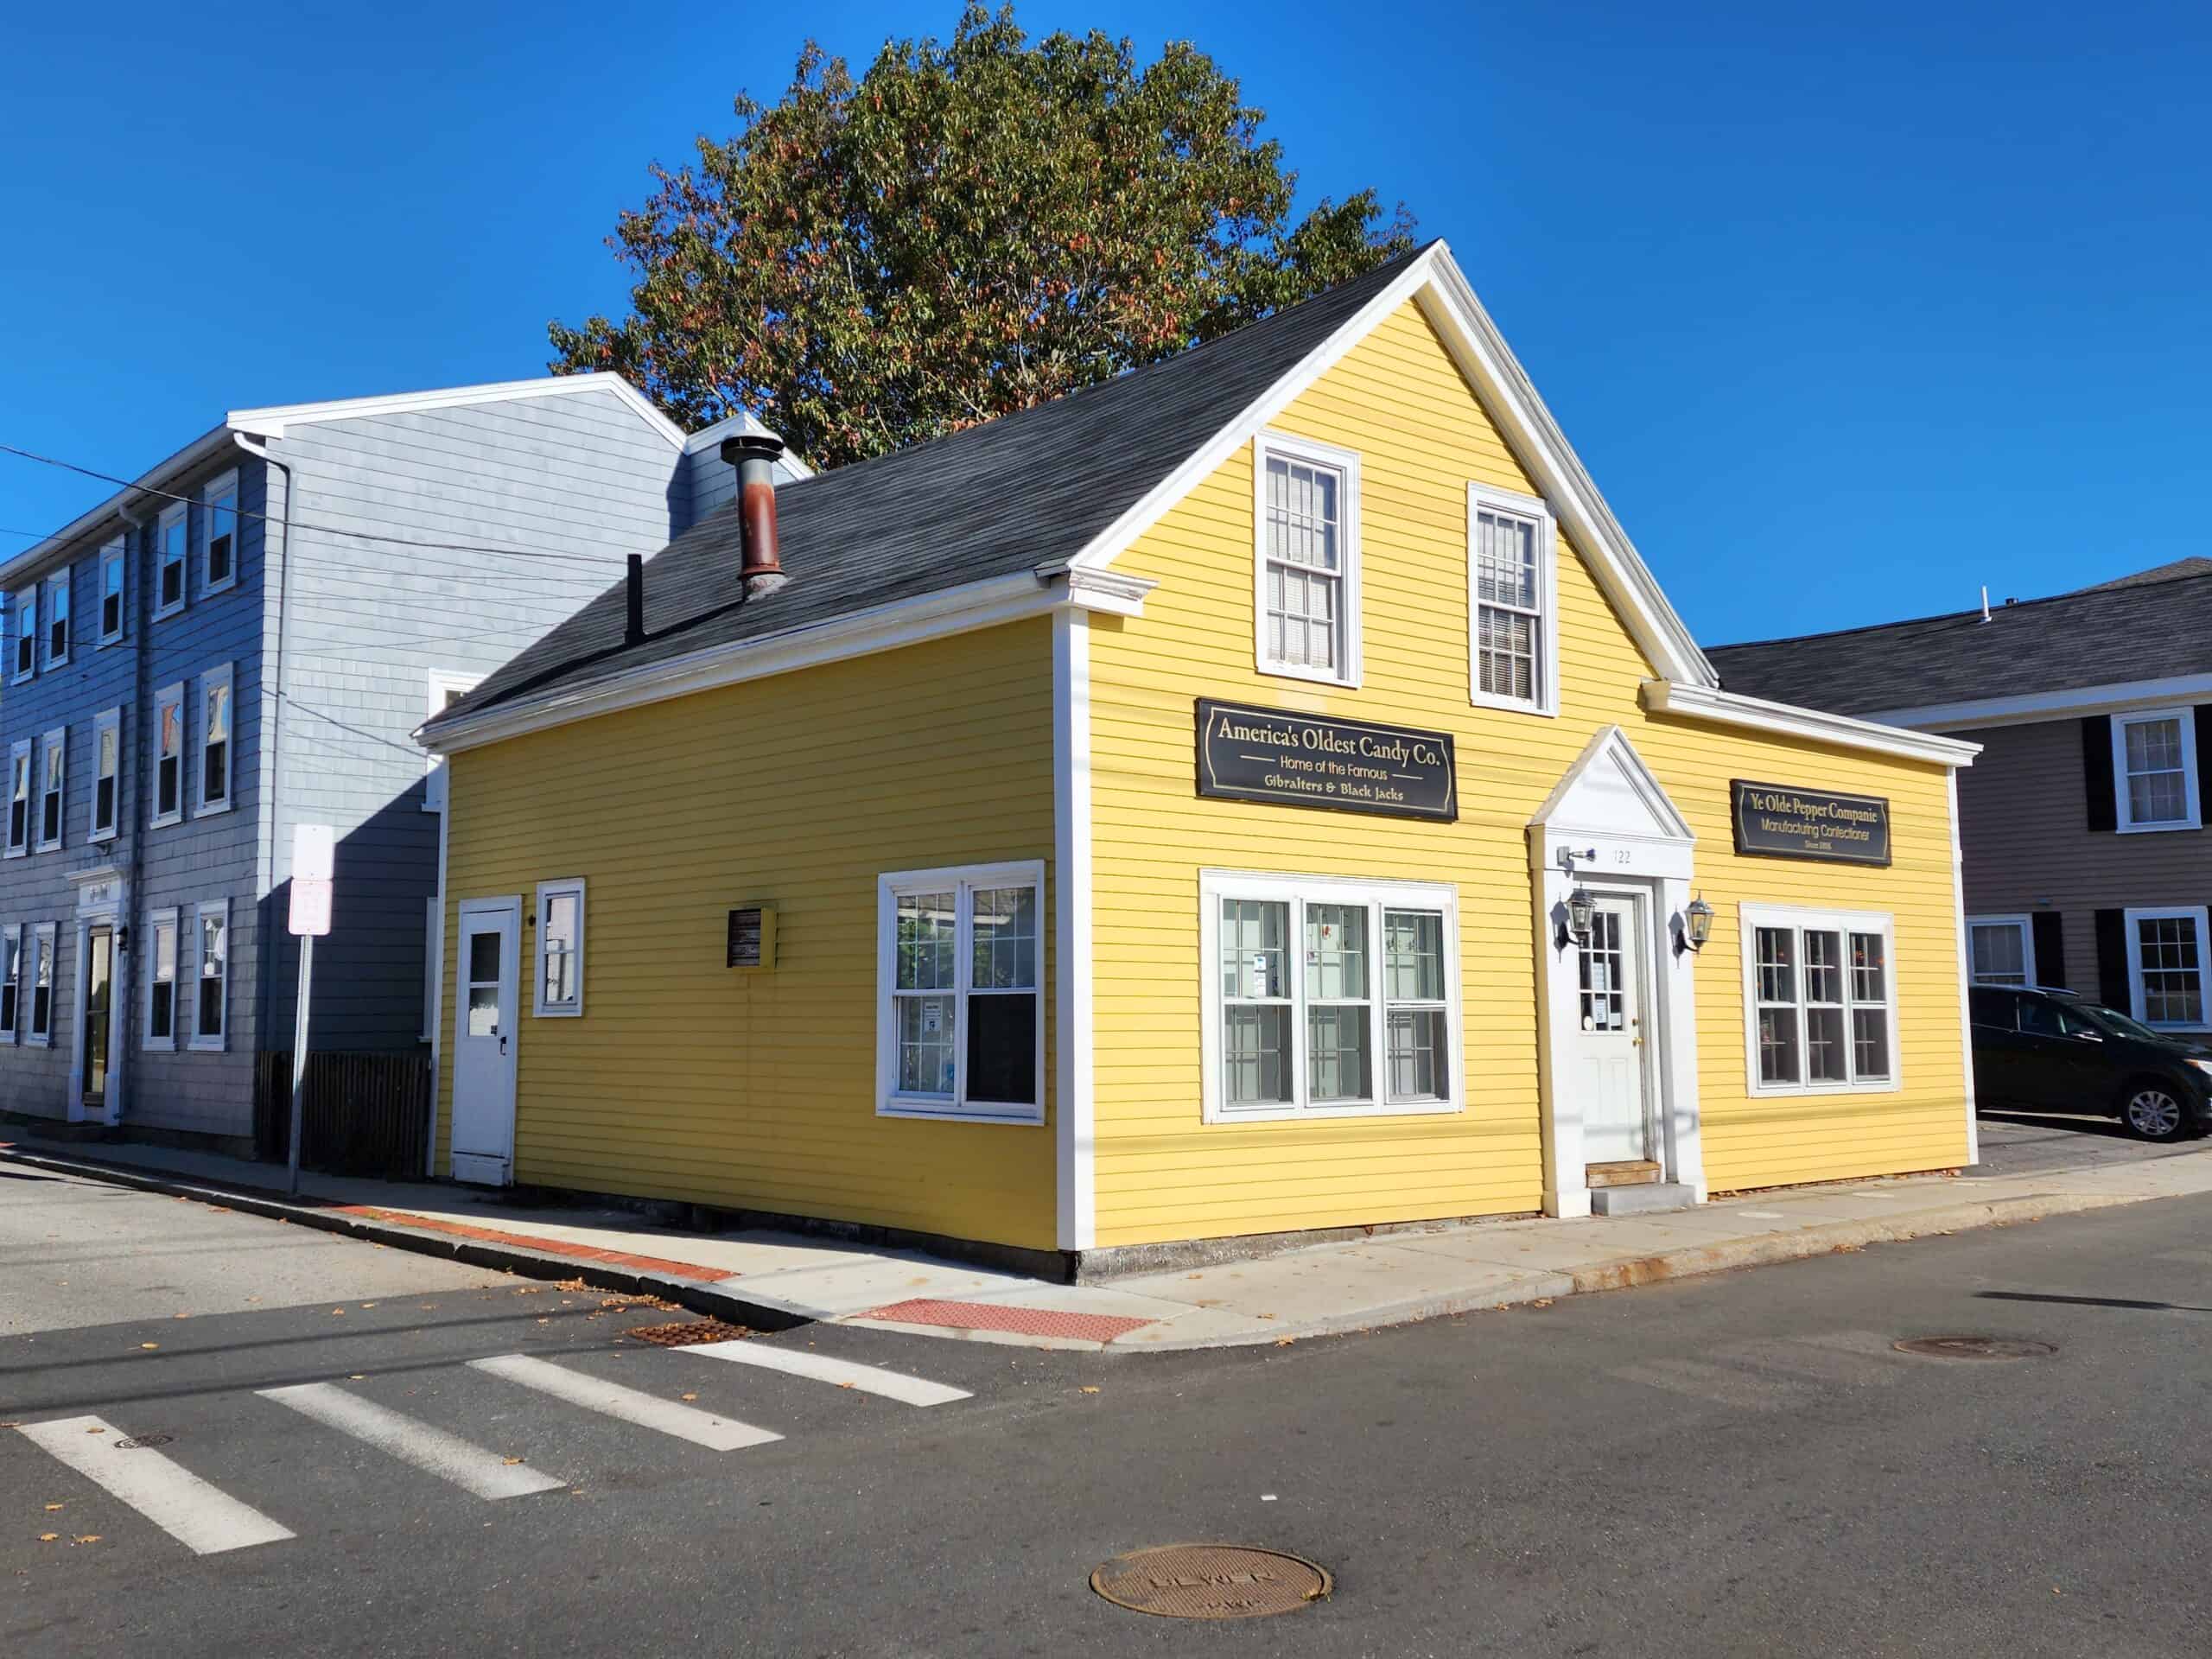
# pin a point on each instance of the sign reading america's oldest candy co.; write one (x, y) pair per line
(1775, 822)
(1351, 766)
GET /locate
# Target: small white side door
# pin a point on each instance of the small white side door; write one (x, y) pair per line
(486, 995)
(1608, 1046)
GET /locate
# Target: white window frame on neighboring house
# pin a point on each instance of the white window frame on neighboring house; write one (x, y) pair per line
(162, 923)
(1543, 616)
(168, 698)
(570, 1007)
(107, 768)
(444, 686)
(172, 547)
(962, 883)
(115, 573)
(2022, 924)
(2185, 720)
(1297, 895)
(1319, 457)
(53, 784)
(213, 680)
(41, 957)
(59, 638)
(12, 982)
(26, 640)
(219, 499)
(2137, 997)
(204, 1041)
(22, 793)
(1853, 998)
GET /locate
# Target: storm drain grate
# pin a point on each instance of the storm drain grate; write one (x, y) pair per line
(685, 1336)
(1211, 1581)
(139, 1442)
(1974, 1348)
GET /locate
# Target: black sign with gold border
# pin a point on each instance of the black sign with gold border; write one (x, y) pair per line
(1285, 759)
(1774, 821)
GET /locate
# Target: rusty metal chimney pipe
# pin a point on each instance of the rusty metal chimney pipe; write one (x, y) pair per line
(754, 457)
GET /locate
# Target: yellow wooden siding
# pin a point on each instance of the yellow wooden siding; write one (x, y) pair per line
(1399, 401)
(686, 1079)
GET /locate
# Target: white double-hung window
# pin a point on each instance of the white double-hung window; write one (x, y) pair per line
(2154, 770)
(172, 535)
(53, 788)
(112, 566)
(1328, 997)
(168, 754)
(221, 512)
(57, 617)
(560, 949)
(19, 797)
(2166, 965)
(42, 998)
(161, 981)
(26, 633)
(959, 965)
(12, 982)
(1512, 611)
(214, 764)
(2002, 949)
(1819, 1001)
(211, 1006)
(1306, 590)
(107, 773)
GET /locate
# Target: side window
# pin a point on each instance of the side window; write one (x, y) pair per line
(1993, 1009)
(2154, 769)
(27, 633)
(214, 740)
(221, 569)
(57, 620)
(171, 534)
(168, 754)
(112, 564)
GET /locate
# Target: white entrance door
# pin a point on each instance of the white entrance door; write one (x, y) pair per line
(484, 1040)
(1609, 1047)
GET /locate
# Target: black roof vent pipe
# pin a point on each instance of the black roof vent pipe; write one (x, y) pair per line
(634, 631)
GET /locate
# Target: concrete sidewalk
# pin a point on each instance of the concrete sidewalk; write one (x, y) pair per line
(777, 1279)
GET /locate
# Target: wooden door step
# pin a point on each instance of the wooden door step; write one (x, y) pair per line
(1635, 1172)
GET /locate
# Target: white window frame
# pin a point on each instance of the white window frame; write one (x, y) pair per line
(2196, 913)
(171, 516)
(13, 934)
(43, 944)
(19, 754)
(221, 909)
(110, 721)
(2026, 927)
(114, 558)
(156, 923)
(573, 1008)
(58, 787)
(1844, 923)
(443, 683)
(961, 880)
(169, 696)
(1297, 892)
(25, 642)
(1345, 462)
(220, 491)
(201, 806)
(59, 613)
(2122, 818)
(1546, 701)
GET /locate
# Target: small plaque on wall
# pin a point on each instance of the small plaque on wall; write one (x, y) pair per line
(753, 937)
(1773, 821)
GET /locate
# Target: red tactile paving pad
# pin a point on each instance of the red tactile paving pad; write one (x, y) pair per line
(1023, 1322)
(533, 1240)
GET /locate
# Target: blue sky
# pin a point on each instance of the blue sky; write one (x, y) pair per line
(1848, 309)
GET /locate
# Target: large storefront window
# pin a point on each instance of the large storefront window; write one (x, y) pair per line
(961, 1026)
(1328, 996)
(1822, 1012)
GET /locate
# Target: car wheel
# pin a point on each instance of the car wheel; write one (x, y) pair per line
(2151, 1111)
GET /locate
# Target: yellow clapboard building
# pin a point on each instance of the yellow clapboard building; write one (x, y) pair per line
(1265, 793)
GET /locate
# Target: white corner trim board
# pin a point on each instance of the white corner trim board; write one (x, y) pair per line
(1728, 709)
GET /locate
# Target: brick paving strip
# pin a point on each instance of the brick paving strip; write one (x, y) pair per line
(990, 1316)
(689, 1270)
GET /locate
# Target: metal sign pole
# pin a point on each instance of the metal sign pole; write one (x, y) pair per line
(313, 868)
(300, 1052)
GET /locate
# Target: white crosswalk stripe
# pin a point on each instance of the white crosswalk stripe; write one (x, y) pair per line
(202, 1519)
(630, 1405)
(472, 1468)
(800, 1362)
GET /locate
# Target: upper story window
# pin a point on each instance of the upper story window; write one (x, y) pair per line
(171, 537)
(1819, 1004)
(26, 633)
(1512, 623)
(112, 564)
(1306, 561)
(52, 787)
(19, 798)
(2154, 770)
(222, 520)
(2165, 964)
(57, 619)
(961, 1011)
(107, 773)
(168, 754)
(214, 766)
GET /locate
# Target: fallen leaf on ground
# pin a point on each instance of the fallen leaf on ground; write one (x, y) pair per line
(52, 1507)
(843, 1385)
(96, 1431)
(368, 1304)
(358, 1376)
(510, 1459)
(149, 1344)
(47, 1537)
(1285, 1342)
(90, 1538)
(337, 1312)
(1090, 1388)
(1542, 1301)
(690, 1396)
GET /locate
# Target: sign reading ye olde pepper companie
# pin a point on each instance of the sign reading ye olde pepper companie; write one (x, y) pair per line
(1351, 766)
(1778, 822)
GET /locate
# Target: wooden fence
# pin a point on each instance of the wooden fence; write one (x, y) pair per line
(361, 1113)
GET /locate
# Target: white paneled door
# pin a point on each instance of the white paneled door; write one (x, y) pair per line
(1609, 1048)
(486, 983)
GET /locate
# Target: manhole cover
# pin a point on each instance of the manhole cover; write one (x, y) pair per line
(138, 1441)
(685, 1336)
(1974, 1348)
(1211, 1581)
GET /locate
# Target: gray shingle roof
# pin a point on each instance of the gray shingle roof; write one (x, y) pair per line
(1024, 491)
(2144, 627)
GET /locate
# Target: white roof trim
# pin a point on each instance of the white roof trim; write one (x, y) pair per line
(100, 519)
(1612, 744)
(1503, 387)
(271, 422)
(1808, 725)
(2036, 706)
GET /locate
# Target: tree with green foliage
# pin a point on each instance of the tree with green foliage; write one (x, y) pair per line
(968, 229)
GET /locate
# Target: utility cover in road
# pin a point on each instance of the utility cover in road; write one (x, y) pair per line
(1211, 1581)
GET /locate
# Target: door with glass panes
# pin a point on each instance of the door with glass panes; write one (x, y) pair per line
(1611, 1075)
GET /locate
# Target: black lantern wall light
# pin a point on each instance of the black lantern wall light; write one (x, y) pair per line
(1581, 908)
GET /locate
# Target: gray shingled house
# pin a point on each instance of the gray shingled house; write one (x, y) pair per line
(2084, 821)
(243, 640)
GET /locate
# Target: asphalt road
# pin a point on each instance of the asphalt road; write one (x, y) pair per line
(1735, 1466)
(2018, 1144)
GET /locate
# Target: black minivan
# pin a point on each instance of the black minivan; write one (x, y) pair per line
(2048, 1050)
